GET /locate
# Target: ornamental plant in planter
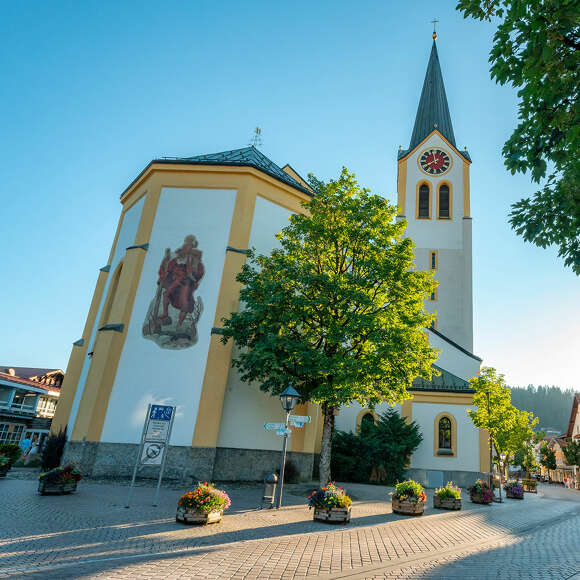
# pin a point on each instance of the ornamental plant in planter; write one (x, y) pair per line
(514, 490)
(60, 480)
(480, 492)
(204, 505)
(530, 485)
(331, 504)
(448, 497)
(4, 465)
(408, 498)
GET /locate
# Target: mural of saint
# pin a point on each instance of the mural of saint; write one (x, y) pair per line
(174, 312)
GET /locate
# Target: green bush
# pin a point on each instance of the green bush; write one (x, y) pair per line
(409, 491)
(450, 491)
(381, 451)
(12, 451)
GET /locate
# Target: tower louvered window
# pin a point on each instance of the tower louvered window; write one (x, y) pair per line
(424, 202)
(444, 202)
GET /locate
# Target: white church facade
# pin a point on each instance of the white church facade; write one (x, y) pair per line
(152, 334)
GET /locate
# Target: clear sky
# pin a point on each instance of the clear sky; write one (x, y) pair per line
(92, 91)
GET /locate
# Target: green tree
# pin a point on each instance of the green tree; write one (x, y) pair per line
(547, 457)
(537, 49)
(338, 309)
(382, 450)
(572, 453)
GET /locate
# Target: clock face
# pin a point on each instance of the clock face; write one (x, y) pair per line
(434, 161)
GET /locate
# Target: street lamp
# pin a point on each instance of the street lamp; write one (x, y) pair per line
(501, 462)
(289, 397)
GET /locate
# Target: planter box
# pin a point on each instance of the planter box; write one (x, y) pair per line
(447, 503)
(192, 517)
(408, 508)
(510, 495)
(334, 515)
(4, 469)
(56, 488)
(530, 488)
(477, 498)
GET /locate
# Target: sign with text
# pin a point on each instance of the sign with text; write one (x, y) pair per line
(274, 426)
(299, 419)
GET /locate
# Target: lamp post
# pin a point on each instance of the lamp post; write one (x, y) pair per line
(289, 397)
(501, 462)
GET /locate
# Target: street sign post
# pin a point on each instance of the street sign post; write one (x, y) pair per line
(299, 419)
(154, 442)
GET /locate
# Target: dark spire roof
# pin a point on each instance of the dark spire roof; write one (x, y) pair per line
(245, 157)
(433, 110)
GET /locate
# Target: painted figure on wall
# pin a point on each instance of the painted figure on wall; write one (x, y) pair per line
(173, 314)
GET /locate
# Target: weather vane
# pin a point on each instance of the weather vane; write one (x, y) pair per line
(434, 22)
(256, 139)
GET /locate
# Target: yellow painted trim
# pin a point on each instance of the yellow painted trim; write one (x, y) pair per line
(484, 451)
(109, 345)
(450, 186)
(364, 412)
(430, 186)
(111, 293)
(466, 191)
(434, 324)
(436, 253)
(453, 434)
(443, 398)
(407, 410)
(433, 175)
(453, 148)
(401, 185)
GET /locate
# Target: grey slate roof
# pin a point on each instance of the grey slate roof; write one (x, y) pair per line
(245, 157)
(446, 382)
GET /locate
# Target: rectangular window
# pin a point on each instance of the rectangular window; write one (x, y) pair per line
(444, 213)
(10, 433)
(433, 259)
(433, 296)
(434, 324)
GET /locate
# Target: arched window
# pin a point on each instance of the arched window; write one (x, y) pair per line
(445, 433)
(423, 204)
(444, 202)
(368, 418)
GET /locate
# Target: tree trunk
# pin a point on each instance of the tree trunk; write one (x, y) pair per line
(326, 445)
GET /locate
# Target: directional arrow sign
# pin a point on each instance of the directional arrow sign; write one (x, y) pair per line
(274, 426)
(299, 419)
(284, 431)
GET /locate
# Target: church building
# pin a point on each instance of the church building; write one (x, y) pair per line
(152, 334)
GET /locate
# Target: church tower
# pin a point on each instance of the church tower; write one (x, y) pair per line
(433, 196)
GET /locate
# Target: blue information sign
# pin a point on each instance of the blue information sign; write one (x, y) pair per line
(161, 412)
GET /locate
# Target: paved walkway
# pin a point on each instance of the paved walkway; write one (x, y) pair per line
(92, 535)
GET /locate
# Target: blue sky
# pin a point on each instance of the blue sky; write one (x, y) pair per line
(94, 90)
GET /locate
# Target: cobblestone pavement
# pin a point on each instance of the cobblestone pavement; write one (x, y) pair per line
(92, 535)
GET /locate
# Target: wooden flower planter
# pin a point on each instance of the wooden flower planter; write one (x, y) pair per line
(448, 503)
(530, 488)
(510, 495)
(4, 469)
(192, 517)
(335, 515)
(478, 498)
(56, 488)
(408, 508)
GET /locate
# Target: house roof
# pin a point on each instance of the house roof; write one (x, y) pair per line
(445, 382)
(9, 380)
(27, 372)
(573, 413)
(245, 157)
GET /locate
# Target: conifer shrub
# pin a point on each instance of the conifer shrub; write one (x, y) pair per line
(53, 450)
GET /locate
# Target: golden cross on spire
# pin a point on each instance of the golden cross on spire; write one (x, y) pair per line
(434, 22)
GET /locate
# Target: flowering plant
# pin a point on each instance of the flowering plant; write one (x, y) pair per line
(482, 488)
(530, 483)
(409, 491)
(205, 498)
(64, 474)
(515, 488)
(450, 491)
(329, 497)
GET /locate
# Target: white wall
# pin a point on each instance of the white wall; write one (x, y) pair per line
(452, 359)
(246, 408)
(467, 458)
(346, 419)
(148, 373)
(126, 238)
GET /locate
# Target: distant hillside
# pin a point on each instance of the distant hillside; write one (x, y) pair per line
(551, 404)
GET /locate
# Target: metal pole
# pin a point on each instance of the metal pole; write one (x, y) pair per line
(130, 495)
(283, 466)
(500, 470)
(165, 452)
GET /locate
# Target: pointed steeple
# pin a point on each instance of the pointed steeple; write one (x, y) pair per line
(433, 111)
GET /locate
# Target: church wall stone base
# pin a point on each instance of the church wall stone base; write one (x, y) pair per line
(186, 464)
(435, 478)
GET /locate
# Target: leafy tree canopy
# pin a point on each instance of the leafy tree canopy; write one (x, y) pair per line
(572, 453)
(537, 49)
(337, 309)
(547, 457)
